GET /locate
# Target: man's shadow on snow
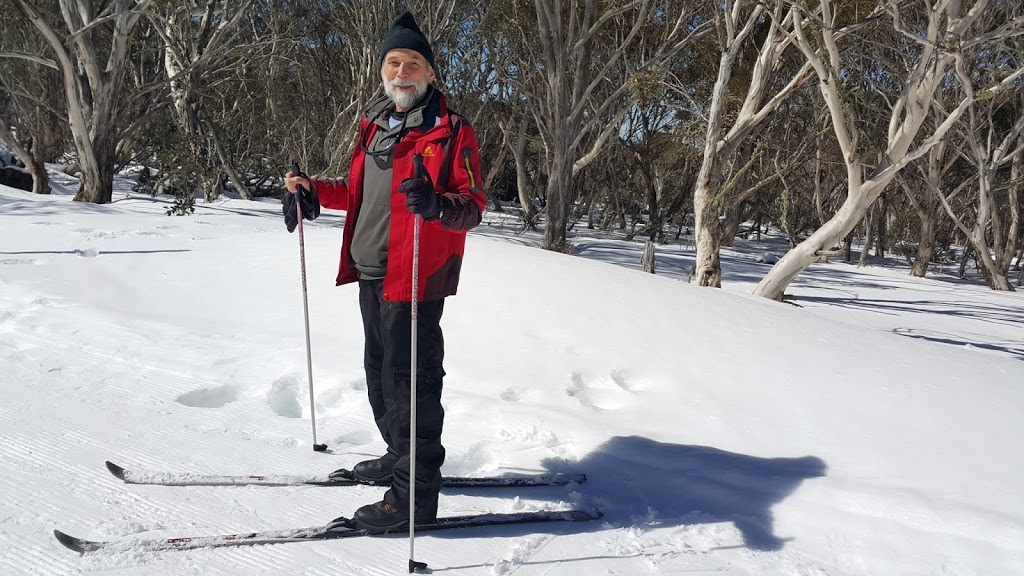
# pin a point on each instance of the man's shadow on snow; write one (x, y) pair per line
(637, 480)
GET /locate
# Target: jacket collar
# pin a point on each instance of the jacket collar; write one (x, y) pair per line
(424, 115)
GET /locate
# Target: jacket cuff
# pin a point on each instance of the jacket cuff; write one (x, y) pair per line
(459, 212)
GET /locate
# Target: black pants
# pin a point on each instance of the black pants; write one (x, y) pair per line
(387, 327)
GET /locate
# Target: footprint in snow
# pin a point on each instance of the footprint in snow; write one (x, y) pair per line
(340, 399)
(287, 397)
(360, 437)
(511, 395)
(27, 307)
(209, 397)
(604, 394)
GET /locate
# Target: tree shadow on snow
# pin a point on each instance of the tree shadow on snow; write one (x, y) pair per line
(638, 480)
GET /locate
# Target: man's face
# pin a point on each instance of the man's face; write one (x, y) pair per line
(406, 75)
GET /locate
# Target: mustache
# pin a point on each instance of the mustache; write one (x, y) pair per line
(396, 83)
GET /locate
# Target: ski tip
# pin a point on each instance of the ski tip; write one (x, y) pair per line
(583, 515)
(566, 479)
(116, 470)
(70, 542)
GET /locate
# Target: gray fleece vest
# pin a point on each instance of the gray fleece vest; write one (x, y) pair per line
(370, 238)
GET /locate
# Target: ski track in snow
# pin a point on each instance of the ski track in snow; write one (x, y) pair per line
(687, 549)
(16, 261)
(57, 363)
(520, 554)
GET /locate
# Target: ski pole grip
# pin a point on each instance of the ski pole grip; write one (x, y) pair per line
(421, 170)
(296, 171)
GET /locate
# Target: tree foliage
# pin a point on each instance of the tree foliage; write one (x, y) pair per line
(892, 120)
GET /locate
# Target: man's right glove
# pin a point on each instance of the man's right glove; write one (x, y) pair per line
(421, 198)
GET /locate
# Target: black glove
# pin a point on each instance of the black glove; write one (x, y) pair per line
(421, 198)
(309, 202)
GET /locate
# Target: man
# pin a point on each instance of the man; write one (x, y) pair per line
(410, 125)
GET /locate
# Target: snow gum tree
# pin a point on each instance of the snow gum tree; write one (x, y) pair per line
(736, 21)
(930, 57)
(196, 40)
(582, 55)
(32, 117)
(90, 47)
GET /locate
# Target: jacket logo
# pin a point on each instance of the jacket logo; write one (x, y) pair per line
(428, 152)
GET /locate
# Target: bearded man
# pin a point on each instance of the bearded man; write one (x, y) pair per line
(415, 158)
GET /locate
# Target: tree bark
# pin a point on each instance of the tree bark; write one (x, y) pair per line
(34, 165)
(869, 232)
(560, 200)
(925, 246)
(708, 233)
(965, 259)
(97, 177)
(928, 207)
(522, 182)
(731, 225)
(647, 260)
(882, 218)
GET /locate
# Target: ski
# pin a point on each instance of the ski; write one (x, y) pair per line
(339, 528)
(341, 477)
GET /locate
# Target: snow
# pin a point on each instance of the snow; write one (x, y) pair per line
(872, 428)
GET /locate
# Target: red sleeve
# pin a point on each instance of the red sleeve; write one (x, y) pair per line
(464, 200)
(333, 193)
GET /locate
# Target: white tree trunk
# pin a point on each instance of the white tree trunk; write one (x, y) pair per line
(928, 208)
(196, 38)
(738, 19)
(40, 178)
(989, 151)
(92, 85)
(908, 115)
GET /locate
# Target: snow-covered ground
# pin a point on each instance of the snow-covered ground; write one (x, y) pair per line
(873, 429)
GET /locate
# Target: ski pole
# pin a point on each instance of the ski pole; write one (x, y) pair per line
(413, 564)
(305, 310)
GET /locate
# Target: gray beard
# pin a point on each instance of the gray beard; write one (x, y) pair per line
(405, 99)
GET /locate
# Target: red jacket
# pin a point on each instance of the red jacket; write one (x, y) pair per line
(451, 156)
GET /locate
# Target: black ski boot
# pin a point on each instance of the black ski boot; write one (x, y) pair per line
(376, 471)
(381, 516)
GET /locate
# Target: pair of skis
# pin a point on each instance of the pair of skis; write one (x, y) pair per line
(336, 529)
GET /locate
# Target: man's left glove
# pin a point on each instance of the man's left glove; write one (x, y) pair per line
(421, 198)
(309, 203)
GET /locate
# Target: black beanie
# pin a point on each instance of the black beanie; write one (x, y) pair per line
(406, 34)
